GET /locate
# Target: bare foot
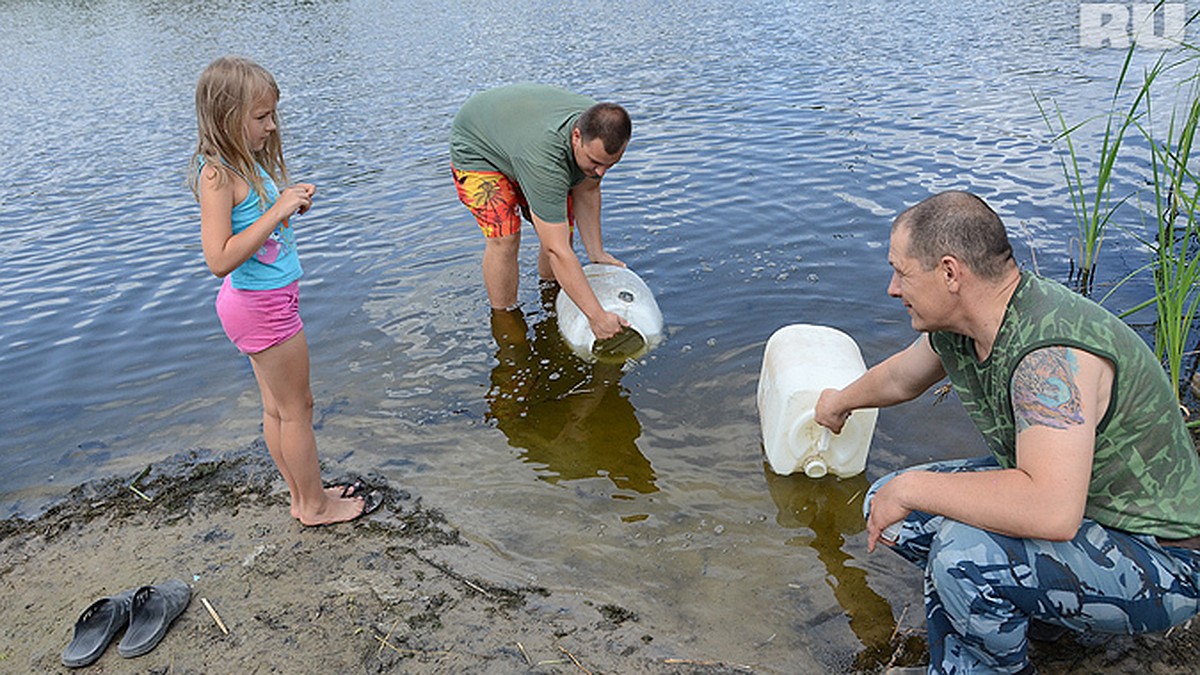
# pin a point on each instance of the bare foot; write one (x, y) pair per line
(332, 492)
(335, 510)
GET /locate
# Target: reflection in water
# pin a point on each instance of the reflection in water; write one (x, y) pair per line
(570, 417)
(832, 508)
(113, 361)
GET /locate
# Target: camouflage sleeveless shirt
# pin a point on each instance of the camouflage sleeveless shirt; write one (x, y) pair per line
(1145, 470)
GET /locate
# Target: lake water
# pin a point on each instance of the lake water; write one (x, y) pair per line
(773, 144)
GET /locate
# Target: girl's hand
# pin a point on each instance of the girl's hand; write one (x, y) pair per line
(296, 198)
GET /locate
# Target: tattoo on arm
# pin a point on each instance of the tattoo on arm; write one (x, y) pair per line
(1044, 391)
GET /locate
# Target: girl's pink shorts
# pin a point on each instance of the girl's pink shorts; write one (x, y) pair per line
(258, 320)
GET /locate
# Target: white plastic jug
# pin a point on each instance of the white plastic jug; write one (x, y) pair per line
(623, 293)
(799, 362)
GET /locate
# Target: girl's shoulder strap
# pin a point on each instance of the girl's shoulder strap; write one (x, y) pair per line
(239, 174)
(202, 160)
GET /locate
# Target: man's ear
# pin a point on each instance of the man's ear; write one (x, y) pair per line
(950, 271)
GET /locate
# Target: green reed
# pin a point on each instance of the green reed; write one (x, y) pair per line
(1091, 199)
(1173, 230)
(1176, 248)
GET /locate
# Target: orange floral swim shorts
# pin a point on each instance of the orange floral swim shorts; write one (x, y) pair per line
(496, 201)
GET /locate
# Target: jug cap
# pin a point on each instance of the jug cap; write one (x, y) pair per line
(814, 467)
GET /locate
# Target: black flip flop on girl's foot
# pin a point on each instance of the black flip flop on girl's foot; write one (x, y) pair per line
(348, 489)
(371, 503)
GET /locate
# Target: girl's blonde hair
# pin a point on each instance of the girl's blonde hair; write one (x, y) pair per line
(227, 90)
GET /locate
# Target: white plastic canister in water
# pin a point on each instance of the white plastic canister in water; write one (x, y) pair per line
(799, 362)
(623, 293)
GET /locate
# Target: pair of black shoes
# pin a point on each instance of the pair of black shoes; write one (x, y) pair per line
(144, 613)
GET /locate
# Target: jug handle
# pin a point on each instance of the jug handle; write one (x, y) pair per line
(814, 464)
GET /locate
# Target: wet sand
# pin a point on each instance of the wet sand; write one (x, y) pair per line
(384, 594)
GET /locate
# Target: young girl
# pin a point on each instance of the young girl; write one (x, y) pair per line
(248, 241)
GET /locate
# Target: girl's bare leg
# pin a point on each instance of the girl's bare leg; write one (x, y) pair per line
(271, 431)
(282, 373)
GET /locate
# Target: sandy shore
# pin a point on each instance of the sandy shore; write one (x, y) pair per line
(382, 595)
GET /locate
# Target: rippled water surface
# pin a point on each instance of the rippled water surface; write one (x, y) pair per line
(773, 143)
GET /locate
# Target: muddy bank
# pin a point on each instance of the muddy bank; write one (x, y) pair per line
(375, 596)
(386, 594)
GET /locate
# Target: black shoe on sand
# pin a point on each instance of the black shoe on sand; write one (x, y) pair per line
(153, 609)
(96, 627)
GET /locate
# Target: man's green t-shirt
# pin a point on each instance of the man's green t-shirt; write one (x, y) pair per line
(1145, 470)
(524, 132)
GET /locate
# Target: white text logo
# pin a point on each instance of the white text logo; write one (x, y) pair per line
(1152, 26)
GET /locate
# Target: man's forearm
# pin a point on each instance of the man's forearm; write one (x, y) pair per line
(1005, 501)
(586, 204)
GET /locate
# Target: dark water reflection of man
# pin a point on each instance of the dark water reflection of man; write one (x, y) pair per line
(832, 509)
(570, 417)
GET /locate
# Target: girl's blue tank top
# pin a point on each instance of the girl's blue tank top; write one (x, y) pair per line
(277, 262)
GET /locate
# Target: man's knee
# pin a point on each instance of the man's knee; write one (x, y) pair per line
(968, 582)
(509, 243)
(960, 557)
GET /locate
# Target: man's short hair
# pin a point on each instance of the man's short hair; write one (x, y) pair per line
(958, 224)
(607, 121)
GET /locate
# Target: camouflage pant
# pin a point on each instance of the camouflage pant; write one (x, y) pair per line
(981, 588)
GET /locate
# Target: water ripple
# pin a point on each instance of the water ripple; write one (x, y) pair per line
(774, 141)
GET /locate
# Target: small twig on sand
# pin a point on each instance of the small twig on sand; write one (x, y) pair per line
(140, 493)
(472, 584)
(895, 655)
(896, 631)
(133, 484)
(383, 642)
(898, 622)
(1185, 626)
(453, 575)
(421, 652)
(575, 660)
(520, 646)
(213, 613)
(715, 664)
